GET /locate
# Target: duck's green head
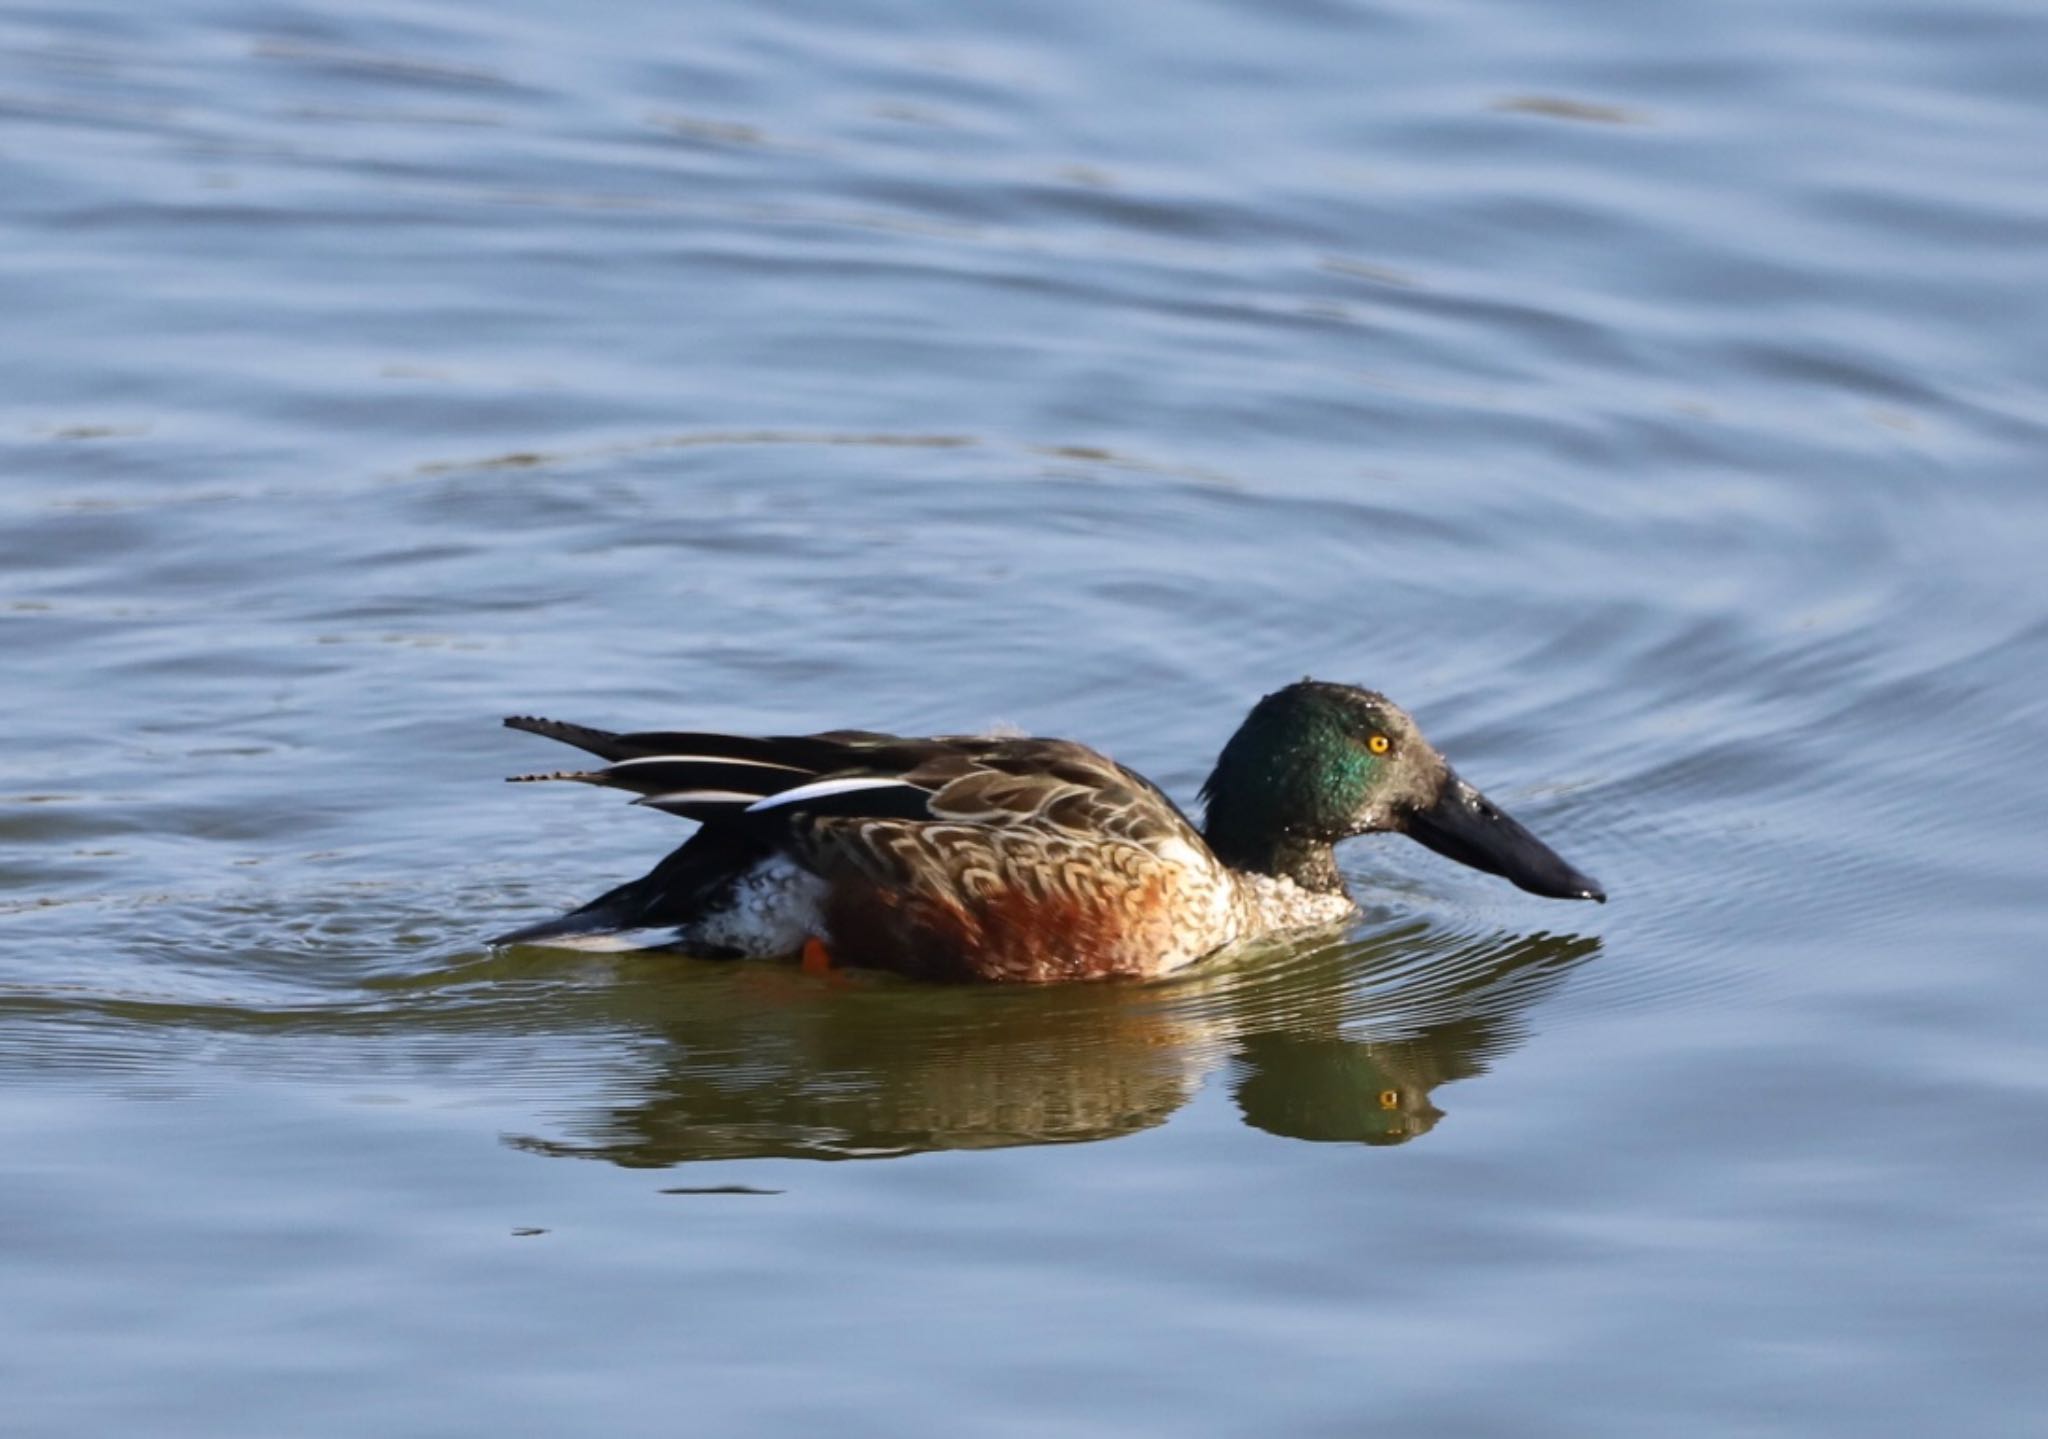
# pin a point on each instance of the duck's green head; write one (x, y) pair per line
(1315, 763)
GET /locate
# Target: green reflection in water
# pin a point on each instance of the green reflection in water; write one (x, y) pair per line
(1343, 1042)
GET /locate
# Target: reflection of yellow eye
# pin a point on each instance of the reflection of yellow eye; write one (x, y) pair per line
(1379, 744)
(1390, 1099)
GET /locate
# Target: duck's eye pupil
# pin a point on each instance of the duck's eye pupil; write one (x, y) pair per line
(1379, 744)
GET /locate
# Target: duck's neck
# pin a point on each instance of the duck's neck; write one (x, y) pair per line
(1283, 791)
(1310, 863)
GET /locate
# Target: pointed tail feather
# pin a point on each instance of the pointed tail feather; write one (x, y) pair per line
(695, 786)
(814, 754)
(600, 742)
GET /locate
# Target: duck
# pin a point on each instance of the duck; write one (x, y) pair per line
(1007, 859)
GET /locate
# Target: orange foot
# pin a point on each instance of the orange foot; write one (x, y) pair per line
(817, 958)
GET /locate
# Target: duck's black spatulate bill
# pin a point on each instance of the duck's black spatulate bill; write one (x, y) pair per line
(1466, 826)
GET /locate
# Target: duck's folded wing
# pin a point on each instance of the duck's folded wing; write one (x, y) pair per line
(1016, 806)
(1060, 788)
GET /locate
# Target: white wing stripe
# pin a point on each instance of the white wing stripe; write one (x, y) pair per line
(819, 789)
(704, 759)
(699, 796)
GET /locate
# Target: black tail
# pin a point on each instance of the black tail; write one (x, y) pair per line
(669, 896)
(721, 780)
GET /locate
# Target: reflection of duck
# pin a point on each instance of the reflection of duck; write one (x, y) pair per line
(1331, 1089)
(1312, 1081)
(968, 857)
(1341, 1042)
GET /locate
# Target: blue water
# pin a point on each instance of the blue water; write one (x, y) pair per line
(1648, 398)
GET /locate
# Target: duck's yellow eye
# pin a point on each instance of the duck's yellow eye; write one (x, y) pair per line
(1390, 1099)
(1379, 744)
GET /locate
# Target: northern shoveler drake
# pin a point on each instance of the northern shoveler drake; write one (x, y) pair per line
(989, 858)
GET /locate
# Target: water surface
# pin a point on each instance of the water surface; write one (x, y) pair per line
(1649, 399)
